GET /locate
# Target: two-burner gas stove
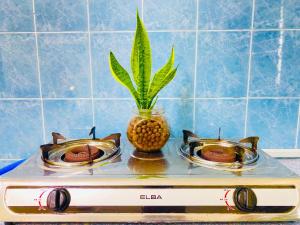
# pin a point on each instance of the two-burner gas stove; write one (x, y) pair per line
(101, 180)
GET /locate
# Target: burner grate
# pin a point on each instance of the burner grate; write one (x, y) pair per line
(218, 153)
(80, 152)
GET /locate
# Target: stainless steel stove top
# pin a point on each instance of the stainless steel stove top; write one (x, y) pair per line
(139, 187)
(130, 164)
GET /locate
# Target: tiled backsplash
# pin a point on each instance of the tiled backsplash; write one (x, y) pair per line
(239, 68)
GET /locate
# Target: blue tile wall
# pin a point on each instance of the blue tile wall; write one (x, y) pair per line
(16, 15)
(72, 118)
(64, 65)
(18, 66)
(184, 44)
(105, 85)
(21, 128)
(179, 14)
(281, 75)
(238, 68)
(179, 114)
(274, 120)
(222, 64)
(212, 114)
(224, 14)
(113, 14)
(274, 14)
(108, 121)
(61, 15)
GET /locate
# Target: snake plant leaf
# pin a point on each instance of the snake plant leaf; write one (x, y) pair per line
(152, 104)
(160, 75)
(141, 62)
(167, 79)
(122, 76)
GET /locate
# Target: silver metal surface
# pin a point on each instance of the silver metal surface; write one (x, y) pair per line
(128, 165)
(99, 190)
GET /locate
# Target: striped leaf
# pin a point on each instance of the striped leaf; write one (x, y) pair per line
(159, 76)
(122, 76)
(141, 62)
(167, 79)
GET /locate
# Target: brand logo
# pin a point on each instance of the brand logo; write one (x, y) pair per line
(150, 197)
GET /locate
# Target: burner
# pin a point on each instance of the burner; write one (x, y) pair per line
(80, 152)
(219, 153)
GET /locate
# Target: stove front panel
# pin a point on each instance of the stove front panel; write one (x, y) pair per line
(168, 199)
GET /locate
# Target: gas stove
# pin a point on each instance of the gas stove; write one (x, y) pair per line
(189, 180)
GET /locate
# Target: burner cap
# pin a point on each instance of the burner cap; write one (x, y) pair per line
(82, 153)
(218, 153)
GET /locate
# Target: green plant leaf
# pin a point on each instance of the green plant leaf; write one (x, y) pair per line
(122, 76)
(167, 79)
(141, 62)
(160, 75)
(145, 90)
(153, 102)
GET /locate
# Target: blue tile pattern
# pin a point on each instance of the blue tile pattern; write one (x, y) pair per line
(71, 118)
(179, 115)
(21, 128)
(229, 76)
(120, 44)
(222, 64)
(280, 51)
(64, 65)
(291, 13)
(274, 121)
(225, 14)
(229, 115)
(16, 15)
(113, 14)
(267, 14)
(276, 14)
(184, 44)
(18, 72)
(179, 14)
(61, 15)
(113, 116)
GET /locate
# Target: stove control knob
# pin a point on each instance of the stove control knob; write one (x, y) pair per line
(58, 199)
(245, 199)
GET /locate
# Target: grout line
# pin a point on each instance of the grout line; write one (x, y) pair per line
(150, 31)
(195, 68)
(54, 99)
(280, 47)
(298, 127)
(165, 98)
(111, 31)
(249, 67)
(39, 72)
(19, 99)
(220, 98)
(90, 61)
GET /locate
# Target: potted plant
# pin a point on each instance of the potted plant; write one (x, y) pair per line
(148, 130)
